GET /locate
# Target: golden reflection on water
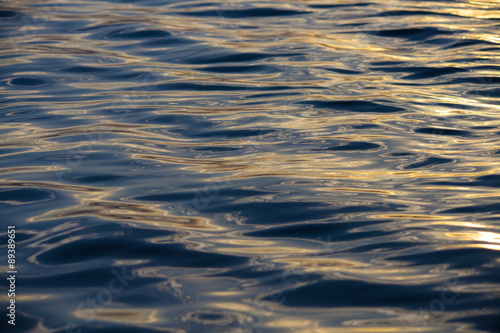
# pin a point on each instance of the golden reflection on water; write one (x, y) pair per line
(120, 211)
(307, 326)
(129, 316)
(373, 271)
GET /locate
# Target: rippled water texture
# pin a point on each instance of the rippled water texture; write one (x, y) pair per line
(252, 166)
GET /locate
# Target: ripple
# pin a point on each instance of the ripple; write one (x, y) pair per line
(211, 317)
(239, 57)
(85, 250)
(246, 13)
(488, 181)
(24, 196)
(413, 33)
(429, 162)
(356, 146)
(27, 82)
(354, 106)
(442, 131)
(330, 294)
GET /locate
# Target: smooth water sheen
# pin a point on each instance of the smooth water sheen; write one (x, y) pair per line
(251, 166)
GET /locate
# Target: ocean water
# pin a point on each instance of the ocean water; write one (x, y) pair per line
(251, 166)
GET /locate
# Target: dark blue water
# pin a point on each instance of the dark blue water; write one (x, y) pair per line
(251, 166)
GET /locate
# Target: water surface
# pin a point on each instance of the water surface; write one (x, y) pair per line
(252, 166)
